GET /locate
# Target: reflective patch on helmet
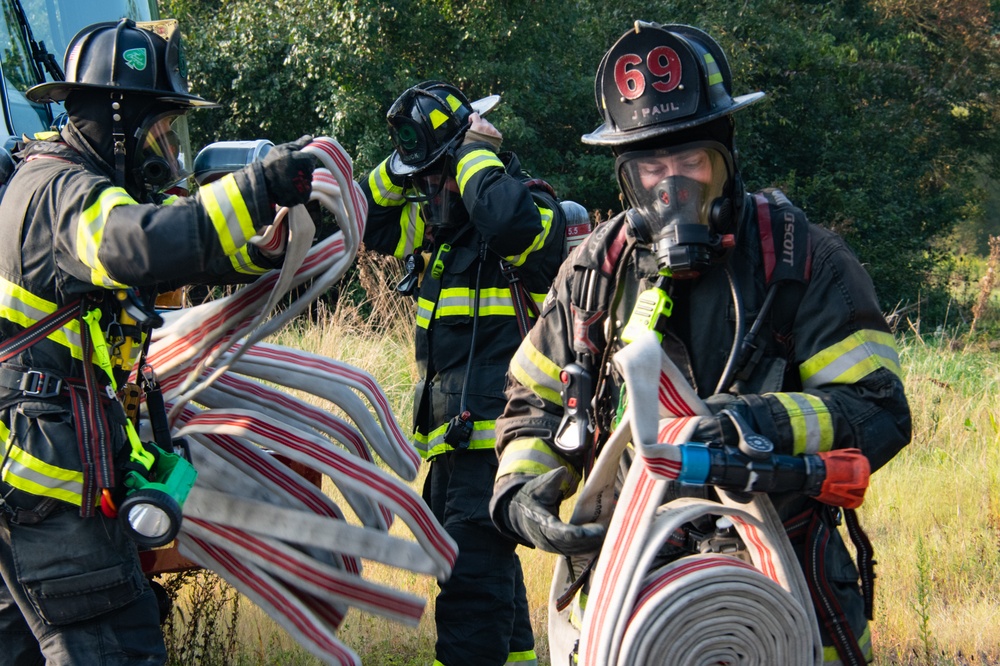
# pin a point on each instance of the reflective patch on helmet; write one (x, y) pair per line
(712, 69)
(135, 58)
(437, 118)
(454, 103)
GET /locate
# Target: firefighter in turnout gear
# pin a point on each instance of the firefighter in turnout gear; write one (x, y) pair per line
(482, 244)
(767, 316)
(92, 238)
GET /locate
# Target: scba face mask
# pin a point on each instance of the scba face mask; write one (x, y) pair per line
(162, 162)
(676, 198)
(440, 201)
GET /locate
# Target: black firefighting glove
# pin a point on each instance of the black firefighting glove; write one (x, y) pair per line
(719, 429)
(288, 172)
(533, 514)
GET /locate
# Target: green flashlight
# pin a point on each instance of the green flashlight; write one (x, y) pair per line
(151, 510)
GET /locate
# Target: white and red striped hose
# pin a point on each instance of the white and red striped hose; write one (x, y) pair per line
(272, 534)
(699, 610)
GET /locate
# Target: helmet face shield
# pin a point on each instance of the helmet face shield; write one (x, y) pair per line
(676, 185)
(162, 161)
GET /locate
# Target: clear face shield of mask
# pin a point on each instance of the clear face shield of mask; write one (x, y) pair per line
(163, 160)
(437, 193)
(671, 192)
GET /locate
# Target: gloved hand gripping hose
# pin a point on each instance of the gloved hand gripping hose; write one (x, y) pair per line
(533, 514)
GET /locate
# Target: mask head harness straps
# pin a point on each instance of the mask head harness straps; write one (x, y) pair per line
(117, 128)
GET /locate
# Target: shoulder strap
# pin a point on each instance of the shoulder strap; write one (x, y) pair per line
(784, 238)
(39, 330)
(568, 215)
(786, 247)
(787, 254)
(525, 308)
(596, 265)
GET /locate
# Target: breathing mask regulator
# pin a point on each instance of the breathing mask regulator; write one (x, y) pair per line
(678, 204)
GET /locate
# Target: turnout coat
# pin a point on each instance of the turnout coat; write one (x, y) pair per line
(826, 374)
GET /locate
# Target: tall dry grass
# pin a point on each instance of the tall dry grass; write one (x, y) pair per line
(933, 512)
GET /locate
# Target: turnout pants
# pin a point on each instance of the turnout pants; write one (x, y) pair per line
(72, 593)
(482, 609)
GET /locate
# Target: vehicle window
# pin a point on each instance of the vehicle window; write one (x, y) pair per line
(18, 76)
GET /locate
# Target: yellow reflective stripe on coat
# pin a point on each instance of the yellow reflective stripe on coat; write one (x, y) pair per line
(474, 162)
(539, 242)
(384, 191)
(37, 477)
(484, 436)
(411, 231)
(458, 302)
(21, 307)
(227, 210)
(533, 456)
(523, 658)
(242, 262)
(851, 359)
(90, 232)
(832, 658)
(536, 372)
(810, 421)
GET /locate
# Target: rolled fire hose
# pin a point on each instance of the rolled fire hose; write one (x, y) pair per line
(269, 532)
(701, 609)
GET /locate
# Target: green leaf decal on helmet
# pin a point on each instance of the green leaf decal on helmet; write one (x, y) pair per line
(135, 58)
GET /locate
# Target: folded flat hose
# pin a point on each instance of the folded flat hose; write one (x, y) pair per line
(698, 610)
(269, 532)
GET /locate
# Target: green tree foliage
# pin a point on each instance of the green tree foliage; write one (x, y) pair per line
(881, 118)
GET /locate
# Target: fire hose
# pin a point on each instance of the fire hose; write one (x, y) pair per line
(701, 609)
(273, 535)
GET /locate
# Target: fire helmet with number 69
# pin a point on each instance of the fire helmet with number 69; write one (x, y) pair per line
(662, 79)
(665, 93)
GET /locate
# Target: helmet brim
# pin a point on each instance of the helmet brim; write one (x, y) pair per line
(396, 165)
(606, 136)
(485, 105)
(57, 91)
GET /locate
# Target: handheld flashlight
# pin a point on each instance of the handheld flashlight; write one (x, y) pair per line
(151, 510)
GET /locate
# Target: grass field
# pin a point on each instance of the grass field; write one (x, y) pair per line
(933, 514)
